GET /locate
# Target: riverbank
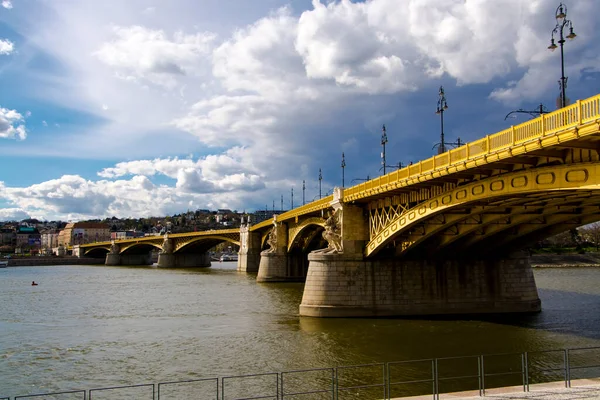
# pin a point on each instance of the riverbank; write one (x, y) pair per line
(565, 260)
(39, 261)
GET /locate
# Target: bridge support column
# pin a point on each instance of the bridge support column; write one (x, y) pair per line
(113, 259)
(249, 254)
(341, 285)
(77, 251)
(134, 259)
(183, 260)
(275, 265)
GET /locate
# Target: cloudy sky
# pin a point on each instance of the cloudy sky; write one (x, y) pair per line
(152, 107)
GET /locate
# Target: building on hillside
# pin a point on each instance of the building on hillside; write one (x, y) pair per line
(83, 232)
(8, 237)
(125, 235)
(49, 239)
(261, 215)
(28, 238)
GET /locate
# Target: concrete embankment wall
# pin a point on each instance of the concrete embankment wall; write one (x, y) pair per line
(38, 261)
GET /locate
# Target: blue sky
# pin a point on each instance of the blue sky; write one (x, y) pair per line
(146, 108)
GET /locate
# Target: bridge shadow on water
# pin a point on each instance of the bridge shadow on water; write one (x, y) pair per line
(562, 312)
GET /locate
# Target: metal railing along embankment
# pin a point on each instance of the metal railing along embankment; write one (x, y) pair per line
(391, 380)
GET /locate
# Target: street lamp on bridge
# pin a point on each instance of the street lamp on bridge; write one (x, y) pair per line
(561, 23)
(343, 166)
(320, 179)
(398, 166)
(303, 191)
(533, 113)
(361, 179)
(442, 106)
(384, 140)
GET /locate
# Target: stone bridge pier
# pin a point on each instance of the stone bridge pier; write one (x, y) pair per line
(342, 282)
(277, 264)
(249, 254)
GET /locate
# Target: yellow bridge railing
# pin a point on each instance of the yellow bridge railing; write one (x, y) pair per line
(316, 205)
(582, 112)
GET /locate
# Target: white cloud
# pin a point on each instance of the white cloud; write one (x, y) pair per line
(72, 197)
(141, 54)
(212, 174)
(7, 4)
(6, 46)
(12, 125)
(13, 214)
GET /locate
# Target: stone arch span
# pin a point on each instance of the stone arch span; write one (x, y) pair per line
(544, 190)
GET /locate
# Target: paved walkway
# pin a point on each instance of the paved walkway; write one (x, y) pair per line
(583, 389)
(583, 392)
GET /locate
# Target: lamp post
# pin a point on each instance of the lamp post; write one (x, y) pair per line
(343, 166)
(303, 191)
(362, 179)
(320, 179)
(442, 106)
(534, 113)
(561, 23)
(292, 207)
(384, 140)
(281, 203)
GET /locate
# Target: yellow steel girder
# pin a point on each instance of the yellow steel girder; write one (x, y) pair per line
(584, 176)
(479, 224)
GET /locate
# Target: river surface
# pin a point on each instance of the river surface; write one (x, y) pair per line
(95, 326)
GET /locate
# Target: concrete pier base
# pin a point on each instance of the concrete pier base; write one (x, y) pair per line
(192, 260)
(341, 285)
(248, 261)
(113, 259)
(136, 259)
(272, 268)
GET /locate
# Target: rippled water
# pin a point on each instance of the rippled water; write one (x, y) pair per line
(96, 326)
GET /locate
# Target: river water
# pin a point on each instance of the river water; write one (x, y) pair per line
(95, 326)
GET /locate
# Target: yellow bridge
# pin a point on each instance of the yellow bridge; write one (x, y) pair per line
(487, 198)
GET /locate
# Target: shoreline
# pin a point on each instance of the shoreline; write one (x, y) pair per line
(586, 260)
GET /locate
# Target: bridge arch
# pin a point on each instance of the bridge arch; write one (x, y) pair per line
(544, 189)
(202, 243)
(97, 252)
(139, 248)
(302, 235)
